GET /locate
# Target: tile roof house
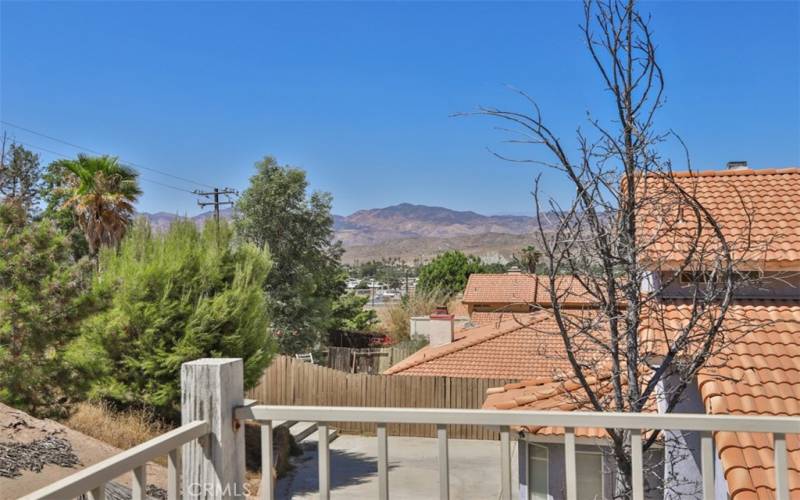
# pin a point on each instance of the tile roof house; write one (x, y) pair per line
(758, 373)
(549, 393)
(506, 345)
(521, 292)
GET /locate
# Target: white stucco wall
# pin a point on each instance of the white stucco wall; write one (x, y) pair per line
(557, 475)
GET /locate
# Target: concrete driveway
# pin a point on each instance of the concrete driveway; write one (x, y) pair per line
(413, 469)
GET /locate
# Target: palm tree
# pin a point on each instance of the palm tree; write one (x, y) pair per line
(102, 199)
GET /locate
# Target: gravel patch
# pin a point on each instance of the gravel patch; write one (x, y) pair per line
(33, 456)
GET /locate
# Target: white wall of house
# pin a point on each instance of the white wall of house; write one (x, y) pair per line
(682, 468)
(720, 484)
(430, 329)
(595, 470)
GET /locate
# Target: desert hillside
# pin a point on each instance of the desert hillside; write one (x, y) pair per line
(415, 232)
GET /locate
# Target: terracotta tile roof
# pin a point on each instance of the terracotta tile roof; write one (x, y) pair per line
(552, 394)
(509, 288)
(767, 196)
(520, 346)
(481, 318)
(523, 288)
(758, 375)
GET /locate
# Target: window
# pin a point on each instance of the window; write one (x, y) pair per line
(538, 457)
(589, 465)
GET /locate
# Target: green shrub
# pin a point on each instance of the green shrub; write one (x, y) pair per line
(43, 298)
(173, 297)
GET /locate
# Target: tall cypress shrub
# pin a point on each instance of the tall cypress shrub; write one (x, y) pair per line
(173, 297)
(44, 296)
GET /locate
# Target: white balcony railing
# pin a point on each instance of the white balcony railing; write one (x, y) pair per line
(212, 394)
(504, 420)
(93, 479)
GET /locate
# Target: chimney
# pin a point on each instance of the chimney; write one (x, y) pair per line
(737, 165)
(513, 270)
(441, 327)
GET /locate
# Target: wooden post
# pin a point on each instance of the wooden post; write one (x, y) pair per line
(213, 466)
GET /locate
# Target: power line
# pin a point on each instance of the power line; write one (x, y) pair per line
(166, 185)
(67, 157)
(76, 146)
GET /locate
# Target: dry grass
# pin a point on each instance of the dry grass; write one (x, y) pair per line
(398, 317)
(121, 429)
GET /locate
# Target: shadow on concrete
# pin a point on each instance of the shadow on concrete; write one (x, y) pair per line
(347, 469)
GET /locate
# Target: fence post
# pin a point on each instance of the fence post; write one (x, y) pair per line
(213, 466)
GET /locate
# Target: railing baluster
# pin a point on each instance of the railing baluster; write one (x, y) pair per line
(444, 462)
(98, 493)
(267, 489)
(383, 462)
(781, 467)
(505, 463)
(569, 463)
(707, 464)
(637, 465)
(139, 482)
(174, 474)
(324, 462)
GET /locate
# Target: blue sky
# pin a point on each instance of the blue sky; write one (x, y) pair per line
(360, 94)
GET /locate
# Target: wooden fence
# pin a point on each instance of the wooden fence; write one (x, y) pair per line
(372, 360)
(288, 381)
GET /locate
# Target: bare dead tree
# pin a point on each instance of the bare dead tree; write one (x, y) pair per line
(634, 230)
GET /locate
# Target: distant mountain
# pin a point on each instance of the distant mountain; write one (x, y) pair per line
(160, 221)
(491, 247)
(411, 232)
(404, 221)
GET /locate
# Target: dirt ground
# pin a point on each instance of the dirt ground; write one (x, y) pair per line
(19, 427)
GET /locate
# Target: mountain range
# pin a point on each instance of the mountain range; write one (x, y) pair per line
(414, 232)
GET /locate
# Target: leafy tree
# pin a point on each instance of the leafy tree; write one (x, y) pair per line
(58, 185)
(393, 271)
(173, 297)
(307, 277)
(43, 297)
(448, 273)
(494, 267)
(528, 259)
(20, 176)
(348, 313)
(102, 199)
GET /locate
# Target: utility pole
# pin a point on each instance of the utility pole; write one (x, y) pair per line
(216, 203)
